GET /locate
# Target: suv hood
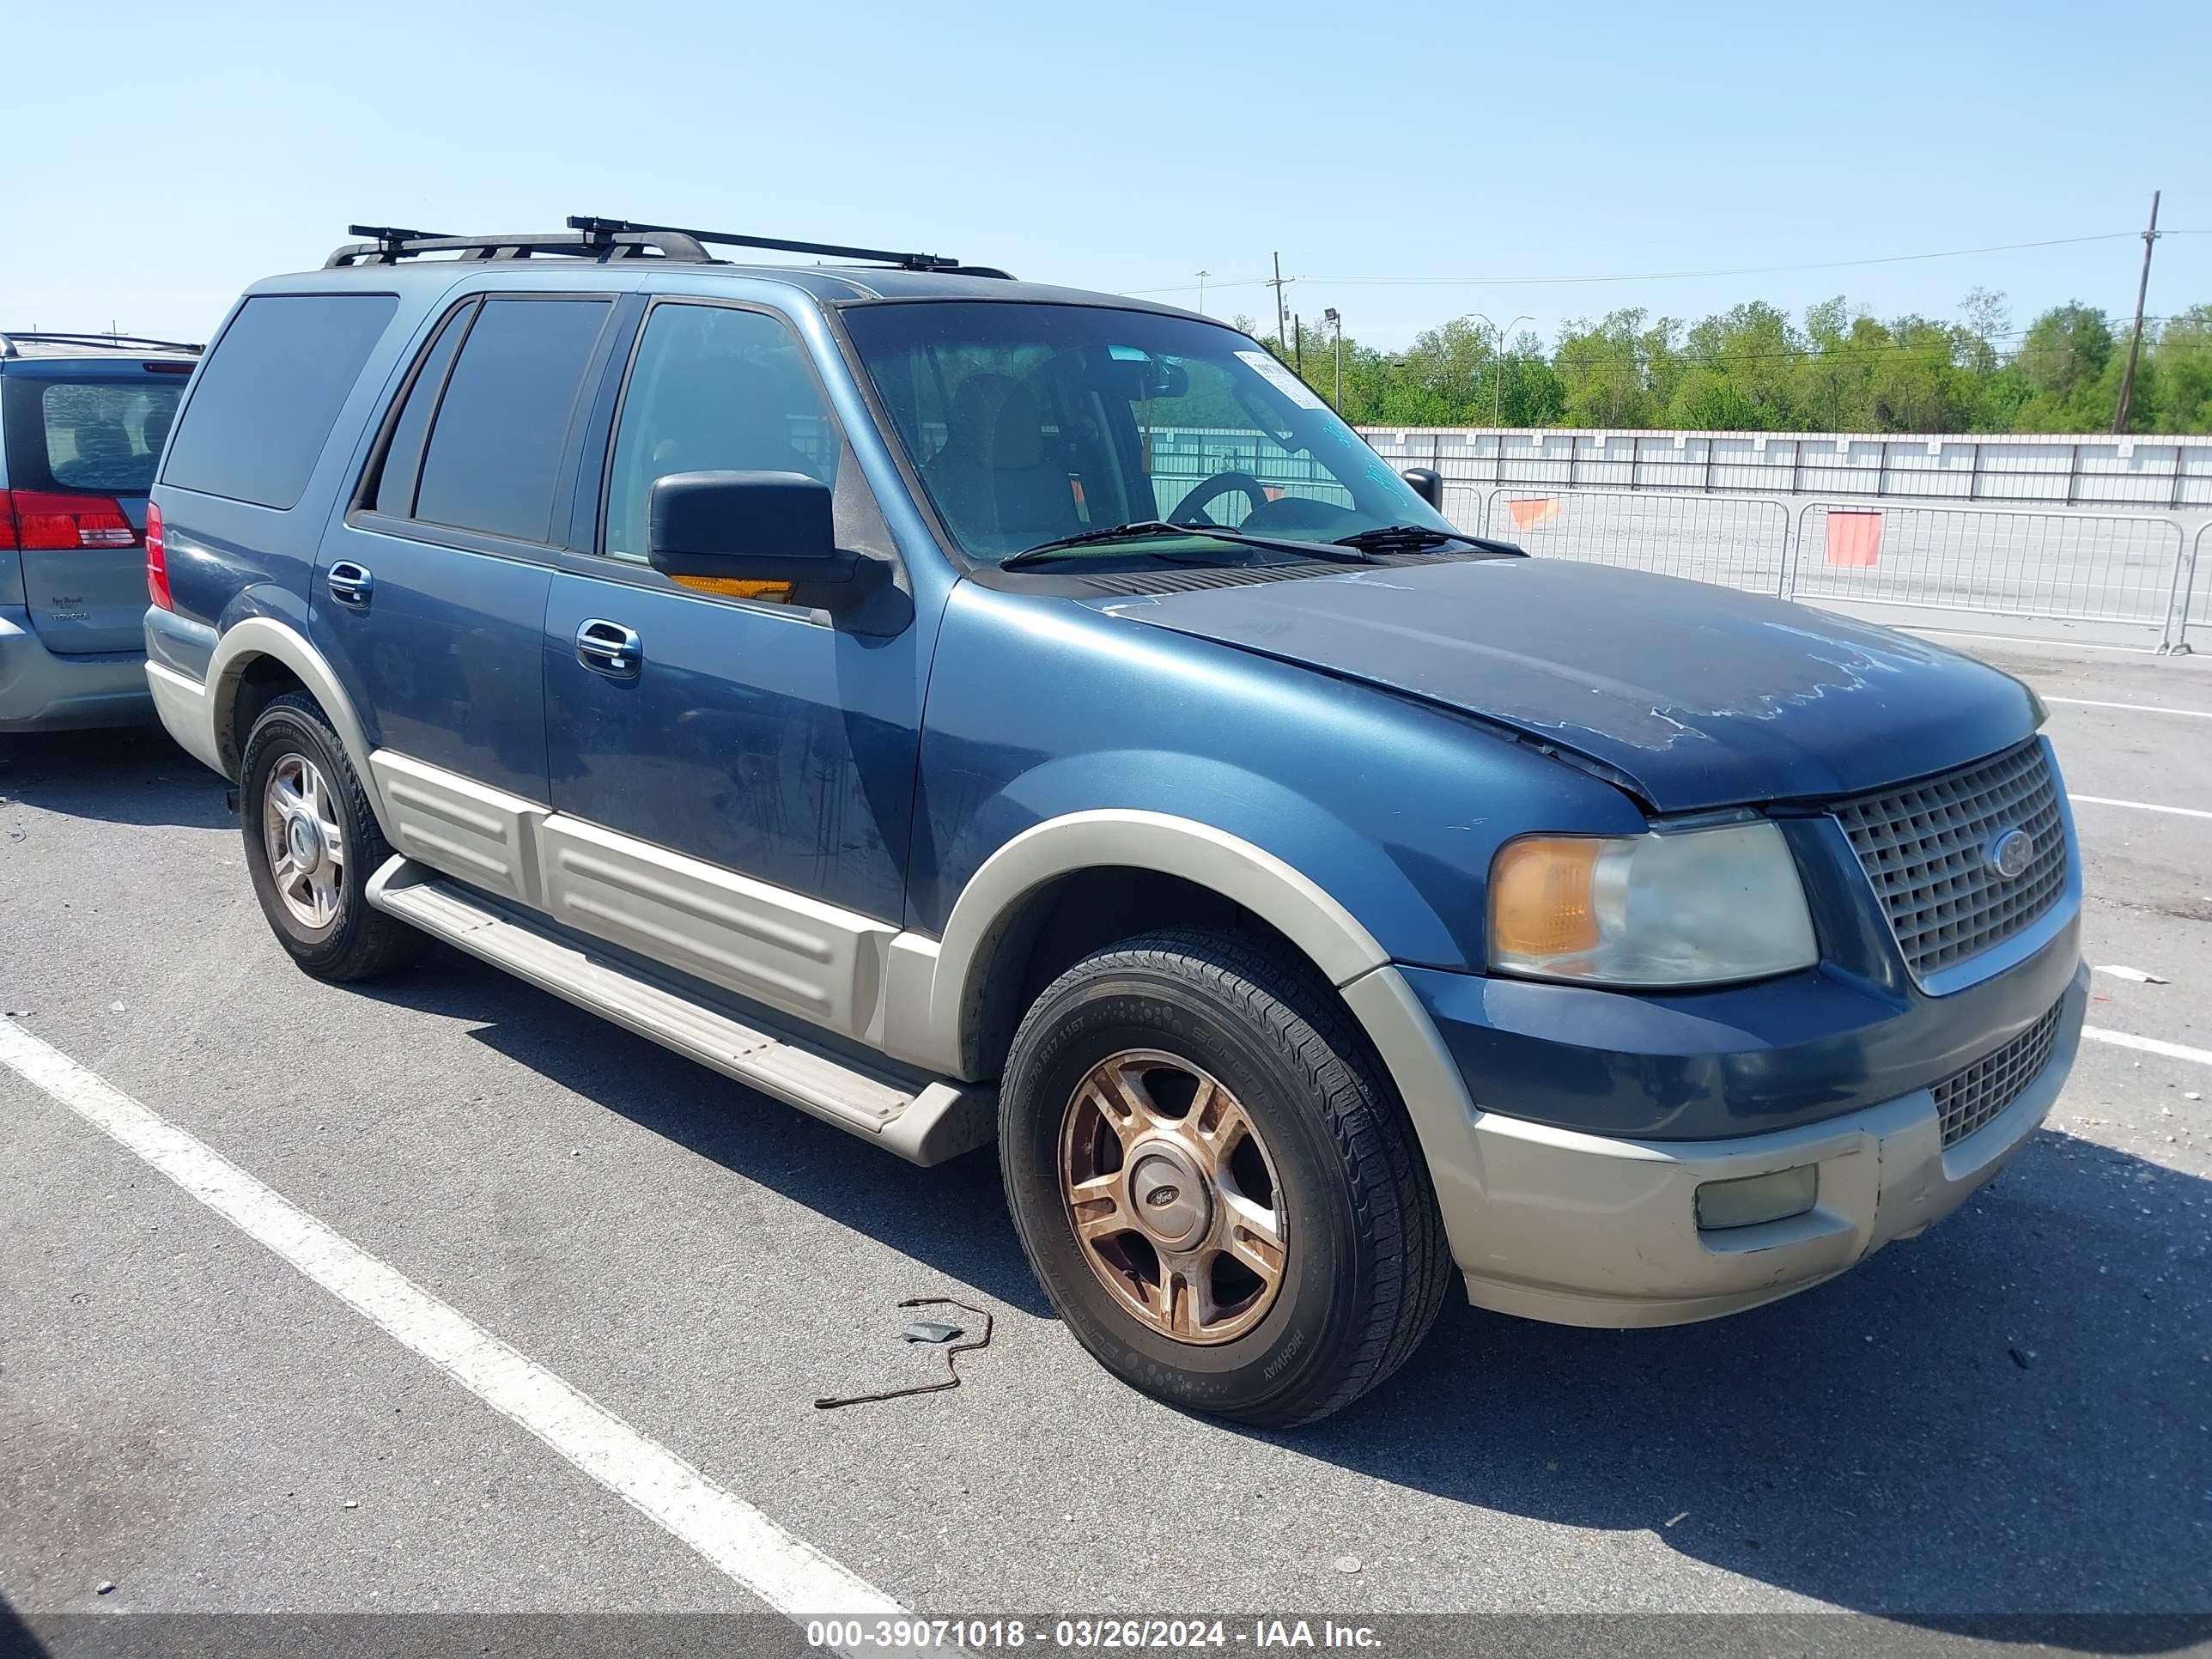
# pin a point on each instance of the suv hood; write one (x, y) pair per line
(1696, 697)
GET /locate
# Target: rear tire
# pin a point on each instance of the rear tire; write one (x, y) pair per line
(311, 843)
(1213, 1182)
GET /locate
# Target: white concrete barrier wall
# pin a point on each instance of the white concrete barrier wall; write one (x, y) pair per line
(2088, 470)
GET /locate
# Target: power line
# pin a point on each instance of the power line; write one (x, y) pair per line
(1664, 276)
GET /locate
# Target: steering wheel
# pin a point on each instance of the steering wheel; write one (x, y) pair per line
(1191, 509)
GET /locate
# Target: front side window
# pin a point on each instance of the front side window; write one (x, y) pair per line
(502, 426)
(1028, 423)
(712, 389)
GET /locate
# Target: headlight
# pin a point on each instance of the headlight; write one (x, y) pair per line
(1687, 907)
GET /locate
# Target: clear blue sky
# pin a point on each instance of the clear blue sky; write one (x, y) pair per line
(177, 153)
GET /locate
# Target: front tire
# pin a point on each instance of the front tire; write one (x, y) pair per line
(1214, 1184)
(311, 843)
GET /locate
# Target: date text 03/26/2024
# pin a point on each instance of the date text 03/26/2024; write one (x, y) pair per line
(1086, 1635)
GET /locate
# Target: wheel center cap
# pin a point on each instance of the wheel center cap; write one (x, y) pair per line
(304, 837)
(1169, 1196)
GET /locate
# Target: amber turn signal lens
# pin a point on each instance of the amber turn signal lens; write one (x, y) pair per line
(1540, 900)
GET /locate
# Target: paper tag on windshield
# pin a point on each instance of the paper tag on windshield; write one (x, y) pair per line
(1282, 381)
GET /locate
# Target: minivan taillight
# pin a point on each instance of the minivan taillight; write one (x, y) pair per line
(157, 560)
(42, 521)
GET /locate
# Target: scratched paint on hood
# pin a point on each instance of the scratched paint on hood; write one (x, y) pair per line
(1702, 696)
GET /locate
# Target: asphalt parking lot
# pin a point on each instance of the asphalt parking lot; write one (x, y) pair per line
(2011, 1413)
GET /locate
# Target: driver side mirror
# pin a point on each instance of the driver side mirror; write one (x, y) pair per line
(753, 527)
(1428, 484)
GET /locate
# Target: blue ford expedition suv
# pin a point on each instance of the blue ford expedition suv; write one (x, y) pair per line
(966, 709)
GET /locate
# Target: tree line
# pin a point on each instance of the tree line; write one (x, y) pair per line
(1754, 367)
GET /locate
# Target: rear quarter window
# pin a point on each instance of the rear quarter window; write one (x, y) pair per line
(265, 402)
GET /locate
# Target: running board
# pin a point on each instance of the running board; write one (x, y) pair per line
(938, 1120)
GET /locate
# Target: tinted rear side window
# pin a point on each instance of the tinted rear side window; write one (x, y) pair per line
(102, 437)
(502, 426)
(403, 455)
(266, 397)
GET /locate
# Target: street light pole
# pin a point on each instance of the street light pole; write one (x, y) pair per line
(1202, 276)
(1497, 373)
(1331, 318)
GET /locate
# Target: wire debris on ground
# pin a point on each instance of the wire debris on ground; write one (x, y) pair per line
(952, 1353)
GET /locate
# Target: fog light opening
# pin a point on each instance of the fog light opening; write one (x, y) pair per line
(1757, 1199)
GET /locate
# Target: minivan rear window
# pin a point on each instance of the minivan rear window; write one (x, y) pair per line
(266, 397)
(93, 437)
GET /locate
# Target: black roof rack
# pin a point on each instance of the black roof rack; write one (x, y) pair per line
(590, 237)
(119, 342)
(592, 226)
(390, 244)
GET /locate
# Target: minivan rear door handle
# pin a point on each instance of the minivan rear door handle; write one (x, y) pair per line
(350, 584)
(610, 648)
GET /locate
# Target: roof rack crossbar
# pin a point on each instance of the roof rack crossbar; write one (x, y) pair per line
(119, 342)
(592, 225)
(390, 244)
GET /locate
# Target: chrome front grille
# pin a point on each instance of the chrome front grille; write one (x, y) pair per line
(1968, 1099)
(1926, 847)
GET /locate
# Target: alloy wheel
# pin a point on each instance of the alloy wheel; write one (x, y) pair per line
(1173, 1196)
(306, 845)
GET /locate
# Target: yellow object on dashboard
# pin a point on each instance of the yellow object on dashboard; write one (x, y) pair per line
(731, 587)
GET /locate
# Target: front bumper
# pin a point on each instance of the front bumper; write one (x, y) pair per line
(1581, 1228)
(42, 692)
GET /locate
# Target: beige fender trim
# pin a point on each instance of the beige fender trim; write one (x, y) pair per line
(931, 985)
(264, 636)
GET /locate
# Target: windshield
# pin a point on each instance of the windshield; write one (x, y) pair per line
(1031, 423)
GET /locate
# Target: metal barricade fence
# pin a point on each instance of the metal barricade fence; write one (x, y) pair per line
(2073, 566)
(2193, 583)
(2136, 570)
(1735, 541)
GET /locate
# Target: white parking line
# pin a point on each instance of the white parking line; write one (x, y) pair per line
(2139, 707)
(2143, 805)
(2148, 1045)
(784, 1570)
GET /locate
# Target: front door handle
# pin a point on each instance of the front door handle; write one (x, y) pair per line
(606, 648)
(350, 584)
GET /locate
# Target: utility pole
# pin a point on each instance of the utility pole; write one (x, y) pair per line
(1298, 335)
(1202, 276)
(1281, 342)
(2134, 344)
(1336, 321)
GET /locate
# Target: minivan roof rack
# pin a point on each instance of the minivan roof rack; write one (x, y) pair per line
(389, 244)
(119, 342)
(592, 225)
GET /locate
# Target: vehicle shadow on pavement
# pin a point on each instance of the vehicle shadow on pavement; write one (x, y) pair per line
(131, 774)
(2012, 1413)
(16, 1640)
(951, 1218)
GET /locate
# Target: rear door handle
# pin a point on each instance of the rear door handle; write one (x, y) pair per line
(350, 584)
(606, 648)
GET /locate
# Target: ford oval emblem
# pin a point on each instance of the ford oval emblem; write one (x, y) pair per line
(2011, 853)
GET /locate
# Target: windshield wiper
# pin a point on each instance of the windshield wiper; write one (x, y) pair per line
(1412, 538)
(1336, 552)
